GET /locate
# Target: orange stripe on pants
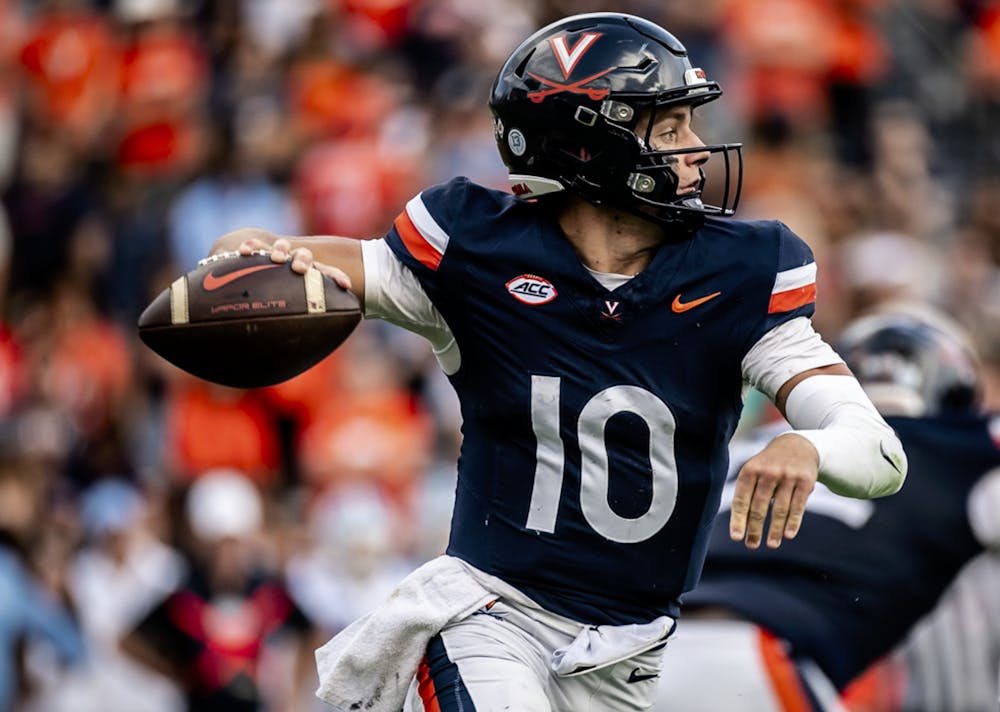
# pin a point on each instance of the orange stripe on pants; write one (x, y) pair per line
(425, 686)
(783, 675)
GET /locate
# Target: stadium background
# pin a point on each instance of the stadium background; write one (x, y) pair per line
(134, 132)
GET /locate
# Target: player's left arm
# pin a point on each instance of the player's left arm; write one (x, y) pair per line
(839, 439)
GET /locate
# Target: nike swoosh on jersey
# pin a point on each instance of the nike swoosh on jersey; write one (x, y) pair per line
(212, 282)
(680, 307)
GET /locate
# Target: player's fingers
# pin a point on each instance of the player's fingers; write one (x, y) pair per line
(797, 509)
(252, 245)
(745, 484)
(302, 260)
(281, 250)
(759, 505)
(337, 275)
(781, 507)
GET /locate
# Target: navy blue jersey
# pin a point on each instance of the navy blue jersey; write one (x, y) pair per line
(596, 422)
(861, 573)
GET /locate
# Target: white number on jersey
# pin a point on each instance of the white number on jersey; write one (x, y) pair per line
(595, 476)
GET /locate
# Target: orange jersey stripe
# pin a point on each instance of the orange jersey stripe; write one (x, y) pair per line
(425, 687)
(784, 678)
(792, 299)
(418, 246)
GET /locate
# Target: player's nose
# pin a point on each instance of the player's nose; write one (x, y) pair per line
(689, 168)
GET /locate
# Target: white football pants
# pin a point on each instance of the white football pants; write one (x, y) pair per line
(499, 660)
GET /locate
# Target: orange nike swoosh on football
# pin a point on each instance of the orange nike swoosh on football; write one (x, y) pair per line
(679, 307)
(211, 282)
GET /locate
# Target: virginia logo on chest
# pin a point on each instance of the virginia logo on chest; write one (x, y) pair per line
(611, 310)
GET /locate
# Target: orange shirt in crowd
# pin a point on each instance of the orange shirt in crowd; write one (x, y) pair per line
(382, 437)
(351, 187)
(164, 79)
(211, 426)
(787, 51)
(69, 61)
(90, 372)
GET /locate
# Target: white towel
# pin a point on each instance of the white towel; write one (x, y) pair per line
(369, 665)
(598, 646)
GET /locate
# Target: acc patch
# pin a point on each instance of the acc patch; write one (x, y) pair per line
(531, 289)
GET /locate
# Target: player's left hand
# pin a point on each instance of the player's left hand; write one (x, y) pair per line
(780, 478)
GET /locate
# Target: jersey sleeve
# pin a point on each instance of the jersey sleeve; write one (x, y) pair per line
(793, 291)
(783, 342)
(426, 235)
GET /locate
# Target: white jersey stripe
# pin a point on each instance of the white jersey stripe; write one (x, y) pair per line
(795, 278)
(428, 227)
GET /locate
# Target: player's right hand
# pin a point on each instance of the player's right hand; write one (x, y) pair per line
(281, 251)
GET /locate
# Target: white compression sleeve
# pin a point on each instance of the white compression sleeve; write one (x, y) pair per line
(859, 454)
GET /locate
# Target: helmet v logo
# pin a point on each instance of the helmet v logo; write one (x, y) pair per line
(567, 57)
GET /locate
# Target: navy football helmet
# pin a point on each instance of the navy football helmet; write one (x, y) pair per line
(912, 361)
(566, 106)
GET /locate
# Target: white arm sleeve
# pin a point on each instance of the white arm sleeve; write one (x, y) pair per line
(859, 454)
(393, 293)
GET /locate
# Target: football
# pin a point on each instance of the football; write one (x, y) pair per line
(247, 322)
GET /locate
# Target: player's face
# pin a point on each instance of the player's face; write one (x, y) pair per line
(671, 130)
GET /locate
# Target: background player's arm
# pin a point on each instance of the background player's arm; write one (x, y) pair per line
(338, 257)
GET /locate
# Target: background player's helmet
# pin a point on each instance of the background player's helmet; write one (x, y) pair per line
(566, 105)
(912, 361)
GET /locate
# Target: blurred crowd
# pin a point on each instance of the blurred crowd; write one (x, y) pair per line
(168, 544)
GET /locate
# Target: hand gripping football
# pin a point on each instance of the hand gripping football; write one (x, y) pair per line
(247, 322)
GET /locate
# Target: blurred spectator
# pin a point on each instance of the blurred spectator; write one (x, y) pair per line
(925, 40)
(882, 267)
(47, 203)
(31, 612)
(234, 190)
(209, 426)
(88, 369)
(907, 195)
(352, 187)
(277, 27)
(12, 378)
(164, 84)
(121, 571)
(783, 51)
(211, 633)
(371, 431)
(11, 37)
(70, 61)
(355, 559)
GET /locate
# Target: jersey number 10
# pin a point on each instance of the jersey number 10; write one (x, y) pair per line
(594, 468)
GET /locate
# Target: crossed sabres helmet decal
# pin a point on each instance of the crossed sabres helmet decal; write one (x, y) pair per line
(568, 57)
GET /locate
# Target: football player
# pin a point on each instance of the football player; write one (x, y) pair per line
(799, 624)
(600, 326)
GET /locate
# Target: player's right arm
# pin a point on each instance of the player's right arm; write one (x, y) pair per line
(337, 257)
